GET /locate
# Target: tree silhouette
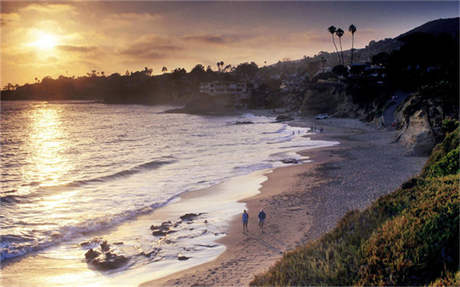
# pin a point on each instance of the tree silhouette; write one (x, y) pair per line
(164, 69)
(227, 68)
(148, 71)
(198, 69)
(339, 34)
(332, 30)
(218, 66)
(352, 29)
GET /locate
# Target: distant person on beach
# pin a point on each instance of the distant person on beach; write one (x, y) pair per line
(245, 221)
(262, 216)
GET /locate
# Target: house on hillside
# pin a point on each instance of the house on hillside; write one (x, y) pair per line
(225, 88)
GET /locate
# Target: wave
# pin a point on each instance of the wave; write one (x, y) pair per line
(43, 190)
(127, 172)
(280, 130)
(12, 246)
(282, 139)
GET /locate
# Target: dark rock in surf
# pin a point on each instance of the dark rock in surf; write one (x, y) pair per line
(163, 229)
(105, 246)
(106, 259)
(182, 257)
(154, 252)
(190, 216)
(109, 261)
(283, 118)
(91, 254)
(159, 233)
(289, 160)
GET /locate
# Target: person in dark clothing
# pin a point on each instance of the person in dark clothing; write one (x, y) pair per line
(262, 216)
(245, 221)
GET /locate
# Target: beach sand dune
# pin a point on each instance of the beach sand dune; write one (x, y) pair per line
(303, 202)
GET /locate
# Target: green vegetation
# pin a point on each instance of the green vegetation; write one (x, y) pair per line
(408, 237)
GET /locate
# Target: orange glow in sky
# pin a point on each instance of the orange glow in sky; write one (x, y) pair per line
(41, 39)
(44, 41)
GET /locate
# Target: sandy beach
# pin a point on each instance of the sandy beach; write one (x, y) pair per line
(304, 201)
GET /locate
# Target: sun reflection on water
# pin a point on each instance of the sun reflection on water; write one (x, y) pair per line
(47, 144)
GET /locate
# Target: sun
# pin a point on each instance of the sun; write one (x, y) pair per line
(45, 41)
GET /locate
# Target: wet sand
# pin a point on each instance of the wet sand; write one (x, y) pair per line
(304, 201)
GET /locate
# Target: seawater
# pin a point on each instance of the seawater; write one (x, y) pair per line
(74, 169)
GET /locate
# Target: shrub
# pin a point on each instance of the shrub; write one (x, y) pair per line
(413, 247)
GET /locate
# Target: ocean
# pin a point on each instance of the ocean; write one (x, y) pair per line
(74, 171)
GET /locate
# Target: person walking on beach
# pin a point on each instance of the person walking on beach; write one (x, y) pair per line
(245, 221)
(262, 216)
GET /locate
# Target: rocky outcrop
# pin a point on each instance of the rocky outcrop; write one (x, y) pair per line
(329, 97)
(417, 135)
(283, 118)
(208, 105)
(163, 229)
(105, 258)
(420, 122)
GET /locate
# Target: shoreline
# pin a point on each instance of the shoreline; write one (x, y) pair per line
(304, 201)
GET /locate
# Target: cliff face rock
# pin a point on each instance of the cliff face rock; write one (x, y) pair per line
(328, 97)
(420, 120)
(208, 105)
(417, 135)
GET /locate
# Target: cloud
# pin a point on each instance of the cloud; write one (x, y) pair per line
(49, 8)
(216, 39)
(77, 49)
(8, 18)
(151, 47)
(118, 20)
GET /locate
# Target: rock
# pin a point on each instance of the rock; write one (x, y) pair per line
(163, 229)
(182, 257)
(91, 254)
(162, 232)
(105, 246)
(154, 252)
(106, 259)
(109, 261)
(159, 233)
(289, 160)
(91, 243)
(189, 216)
(417, 136)
(164, 226)
(169, 241)
(282, 118)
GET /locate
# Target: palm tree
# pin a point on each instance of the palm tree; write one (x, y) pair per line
(339, 33)
(352, 29)
(218, 66)
(164, 69)
(332, 30)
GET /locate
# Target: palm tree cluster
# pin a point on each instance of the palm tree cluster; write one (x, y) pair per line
(339, 33)
(220, 65)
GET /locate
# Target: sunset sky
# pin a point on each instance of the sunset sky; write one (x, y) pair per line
(73, 38)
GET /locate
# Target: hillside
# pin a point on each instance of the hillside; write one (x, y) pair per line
(409, 237)
(436, 27)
